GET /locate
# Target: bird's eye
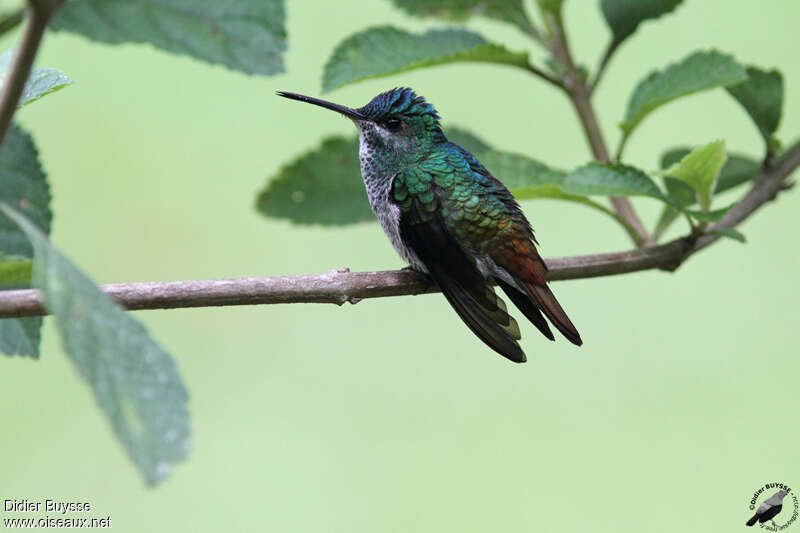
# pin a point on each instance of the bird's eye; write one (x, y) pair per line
(393, 124)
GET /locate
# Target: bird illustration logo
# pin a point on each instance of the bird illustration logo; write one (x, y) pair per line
(768, 510)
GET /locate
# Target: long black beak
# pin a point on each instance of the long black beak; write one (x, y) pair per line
(346, 111)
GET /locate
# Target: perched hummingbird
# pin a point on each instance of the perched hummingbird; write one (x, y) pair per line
(448, 217)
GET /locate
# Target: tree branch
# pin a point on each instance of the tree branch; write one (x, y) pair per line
(40, 13)
(342, 286)
(580, 95)
(337, 286)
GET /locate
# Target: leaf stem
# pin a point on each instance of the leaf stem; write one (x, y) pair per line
(545, 76)
(601, 68)
(621, 148)
(40, 13)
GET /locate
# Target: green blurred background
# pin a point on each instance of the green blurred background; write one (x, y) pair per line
(390, 415)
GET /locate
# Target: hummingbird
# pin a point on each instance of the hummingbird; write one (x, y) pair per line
(448, 217)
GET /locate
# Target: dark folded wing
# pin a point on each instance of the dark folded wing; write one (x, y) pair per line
(460, 281)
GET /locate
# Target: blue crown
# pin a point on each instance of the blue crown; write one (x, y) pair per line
(400, 101)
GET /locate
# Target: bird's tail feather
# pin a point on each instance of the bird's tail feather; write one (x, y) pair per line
(528, 308)
(485, 314)
(753, 520)
(546, 301)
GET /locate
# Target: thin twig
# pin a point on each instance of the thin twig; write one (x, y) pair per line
(40, 13)
(610, 49)
(575, 86)
(545, 76)
(342, 286)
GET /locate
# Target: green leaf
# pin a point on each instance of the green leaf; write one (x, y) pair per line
(134, 380)
(709, 216)
(762, 97)
(624, 16)
(611, 180)
(41, 82)
(737, 169)
(510, 11)
(385, 50)
(24, 185)
(14, 270)
(323, 186)
(698, 72)
(730, 233)
(240, 34)
(700, 169)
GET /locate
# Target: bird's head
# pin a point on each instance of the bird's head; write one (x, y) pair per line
(400, 117)
(396, 125)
